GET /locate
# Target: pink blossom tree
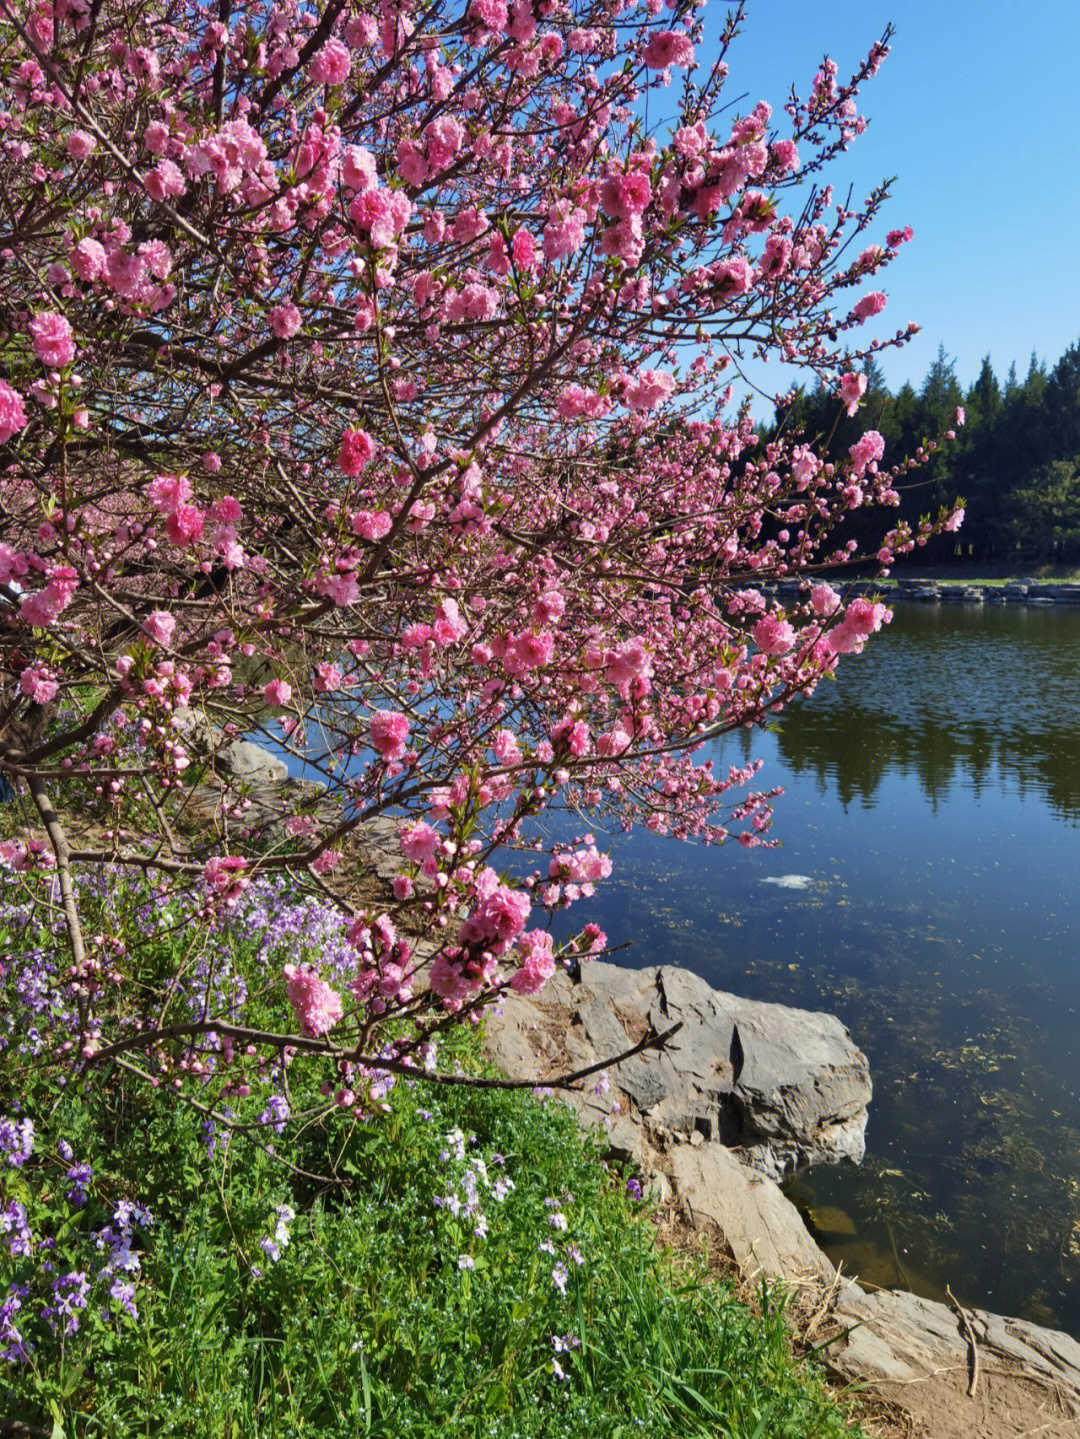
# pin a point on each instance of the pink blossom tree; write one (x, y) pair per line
(367, 382)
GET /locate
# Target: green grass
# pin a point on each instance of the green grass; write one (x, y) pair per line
(386, 1314)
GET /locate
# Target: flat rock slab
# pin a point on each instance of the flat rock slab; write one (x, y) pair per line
(915, 1352)
(784, 1087)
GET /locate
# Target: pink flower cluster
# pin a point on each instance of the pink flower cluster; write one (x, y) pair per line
(534, 949)
(184, 522)
(45, 605)
(317, 1006)
(668, 47)
(224, 877)
(38, 683)
(389, 733)
(160, 626)
(852, 389)
(774, 636)
(12, 413)
(357, 447)
(499, 915)
(54, 340)
(862, 618)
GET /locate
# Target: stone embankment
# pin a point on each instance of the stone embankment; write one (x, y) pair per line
(930, 591)
(742, 1095)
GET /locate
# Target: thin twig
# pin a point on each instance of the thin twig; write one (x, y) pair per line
(973, 1348)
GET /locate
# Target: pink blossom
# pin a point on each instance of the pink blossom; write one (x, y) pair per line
(451, 984)
(357, 447)
(862, 618)
(330, 65)
(389, 732)
(328, 678)
(38, 683)
(12, 414)
(490, 14)
(824, 600)
(623, 195)
(529, 652)
(649, 389)
(866, 451)
(285, 321)
(564, 232)
(80, 144)
(785, 154)
(629, 662)
(361, 31)
(41, 608)
(869, 305)
(88, 260)
(165, 181)
(160, 626)
(224, 877)
(668, 47)
(852, 389)
(277, 692)
(316, 1005)
(537, 962)
(773, 636)
(498, 918)
(523, 250)
(370, 525)
(13, 564)
(185, 525)
(419, 842)
(358, 168)
(443, 140)
(54, 342)
(168, 492)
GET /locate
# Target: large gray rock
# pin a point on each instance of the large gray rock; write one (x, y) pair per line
(784, 1087)
(248, 763)
(238, 760)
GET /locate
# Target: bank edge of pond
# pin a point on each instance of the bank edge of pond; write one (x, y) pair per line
(912, 1354)
(935, 591)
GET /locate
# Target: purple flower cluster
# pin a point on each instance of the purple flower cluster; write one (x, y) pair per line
(70, 1296)
(15, 1349)
(272, 1246)
(13, 1223)
(16, 1140)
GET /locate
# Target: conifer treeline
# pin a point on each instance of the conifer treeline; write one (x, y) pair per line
(1016, 461)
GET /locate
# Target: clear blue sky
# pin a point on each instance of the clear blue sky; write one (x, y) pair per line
(976, 111)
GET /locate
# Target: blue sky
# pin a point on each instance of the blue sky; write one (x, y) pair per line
(976, 111)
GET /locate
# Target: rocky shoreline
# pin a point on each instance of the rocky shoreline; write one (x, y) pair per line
(745, 1093)
(932, 591)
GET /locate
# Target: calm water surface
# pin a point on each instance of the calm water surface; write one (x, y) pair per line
(933, 801)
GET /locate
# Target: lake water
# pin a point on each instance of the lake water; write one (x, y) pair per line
(933, 801)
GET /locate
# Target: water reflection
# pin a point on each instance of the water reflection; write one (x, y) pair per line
(953, 693)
